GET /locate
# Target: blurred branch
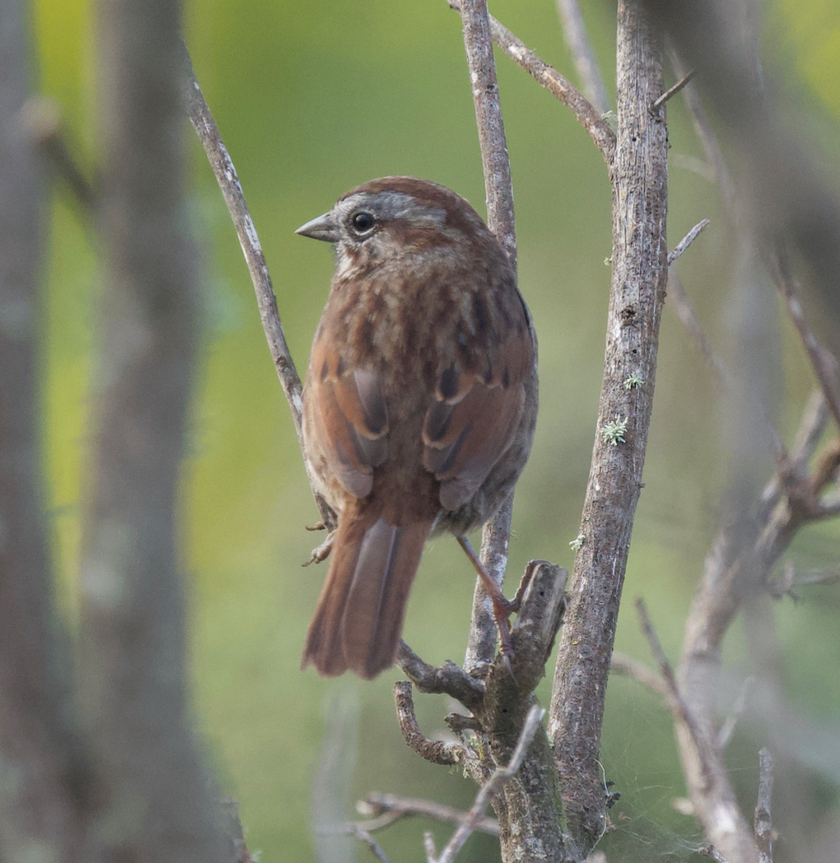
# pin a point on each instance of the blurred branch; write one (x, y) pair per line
(385, 809)
(712, 853)
(236, 837)
(41, 118)
(44, 784)
(228, 180)
(763, 816)
(639, 178)
(152, 795)
(630, 667)
(779, 183)
(684, 309)
(823, 362)
(743, 554)
(583, 54)
(375, 848)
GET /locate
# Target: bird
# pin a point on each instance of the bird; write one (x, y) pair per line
(419, 403)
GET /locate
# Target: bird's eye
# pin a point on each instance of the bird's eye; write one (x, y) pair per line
(362, 222)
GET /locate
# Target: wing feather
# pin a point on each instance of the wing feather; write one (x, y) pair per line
(350, 418)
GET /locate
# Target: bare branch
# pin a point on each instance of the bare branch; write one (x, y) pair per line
(233, 828)
(738, 708)
(822, 360)
(41, 118)
(685, 312)
(630, 667)
(763, 816)
(639, 178)
(560, 87)
(705, 133)
(146, 766)
(712, 852)
(385, 809)
(675, 701)
(429, 847)
(686, 241)
(226, 176)
(481, 642)
(672, 91)
(499, 777)
(478, 42)
(375, 848)
(448, 678)
(435, 751)
(583, 54)
(44, 773)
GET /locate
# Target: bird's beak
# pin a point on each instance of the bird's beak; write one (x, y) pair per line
(321, 228)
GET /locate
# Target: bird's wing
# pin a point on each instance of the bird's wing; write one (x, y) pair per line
(349, 417)
(475, 414)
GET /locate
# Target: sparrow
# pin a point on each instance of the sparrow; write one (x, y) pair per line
(419, 404)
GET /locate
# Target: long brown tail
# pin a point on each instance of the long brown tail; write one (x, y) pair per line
(359, 618)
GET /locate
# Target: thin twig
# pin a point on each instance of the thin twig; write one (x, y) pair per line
(738, 708)
(226, 176)
(375, 847)
(429, 847)
(694, 164)
(713, 853)
(682, 305)
(630, 667)
(436, 751)
(42, 122)
(499, 777)
(679, 707)
(558, 85)
(705, 132)
(478, 44)
(672, 91)
(763, 812)
(686, 241)
(448, 678)
(822, 360)
(583, 54)
(385, 809)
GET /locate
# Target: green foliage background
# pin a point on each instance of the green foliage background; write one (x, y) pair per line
(313, 98)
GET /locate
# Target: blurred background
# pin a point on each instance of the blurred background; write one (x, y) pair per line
(312, 99)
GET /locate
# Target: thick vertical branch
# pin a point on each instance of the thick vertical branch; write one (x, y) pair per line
(639, 179)
(151, 788)
(37, 803)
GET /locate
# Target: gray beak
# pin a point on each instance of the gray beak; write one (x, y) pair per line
(321, 228)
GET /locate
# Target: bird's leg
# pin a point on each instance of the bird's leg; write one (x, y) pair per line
(502, 607)
(321, 552)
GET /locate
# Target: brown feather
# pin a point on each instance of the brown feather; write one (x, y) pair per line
(360, 613)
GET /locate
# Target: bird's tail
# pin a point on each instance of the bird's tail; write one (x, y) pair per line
(359, 618)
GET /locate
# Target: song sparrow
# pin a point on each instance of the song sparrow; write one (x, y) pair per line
(419, 404)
